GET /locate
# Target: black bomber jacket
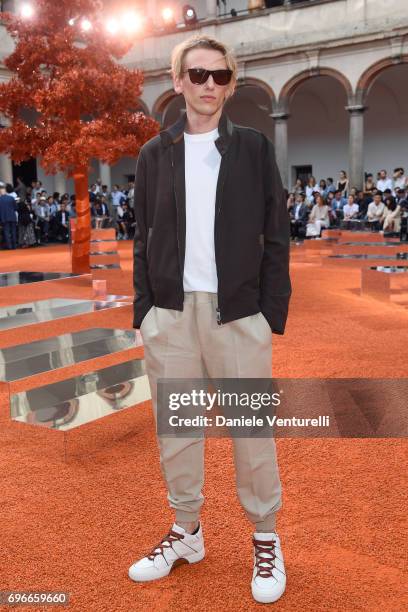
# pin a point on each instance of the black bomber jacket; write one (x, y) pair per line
(251, 227)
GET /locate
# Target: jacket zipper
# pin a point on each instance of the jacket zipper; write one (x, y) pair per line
(218, 210)
(177, 209)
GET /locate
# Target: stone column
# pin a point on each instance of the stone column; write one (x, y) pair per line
(356, 146)
(6, 169)
(60, 183)
(281, 145)
(211, 9)
(105, 174)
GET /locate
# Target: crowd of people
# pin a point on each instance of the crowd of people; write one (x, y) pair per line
(29, 216)
(382, 206)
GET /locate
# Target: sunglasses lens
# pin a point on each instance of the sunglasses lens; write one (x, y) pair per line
(198, 75)
(222, 77)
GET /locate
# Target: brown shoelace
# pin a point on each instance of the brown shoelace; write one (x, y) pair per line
(171, 537)
(268, 563)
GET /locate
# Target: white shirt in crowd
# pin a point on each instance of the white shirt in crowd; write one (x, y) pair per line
(202, 164)
(383, 184)
(374, 212)
(297, 209)
(116, 197)
(400, 182)
(349, 211)
(310, 190)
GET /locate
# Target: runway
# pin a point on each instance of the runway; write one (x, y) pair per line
(76, 526)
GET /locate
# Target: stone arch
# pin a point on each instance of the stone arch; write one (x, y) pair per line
(142, 106)
(254, 82)
(368, 77)
(290, 86)
(162, 102)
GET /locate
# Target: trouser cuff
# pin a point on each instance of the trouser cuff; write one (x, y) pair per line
(187, 517)
(267, 525)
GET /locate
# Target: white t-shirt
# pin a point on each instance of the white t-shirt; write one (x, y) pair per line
(202, 164)
(383, 184)
(350, 210)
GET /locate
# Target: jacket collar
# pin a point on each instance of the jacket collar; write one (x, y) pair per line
(174, 133)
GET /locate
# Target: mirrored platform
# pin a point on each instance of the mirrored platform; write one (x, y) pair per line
(10, 279)
(96, 240)
(17, 285)
(364, 237)
(386, 283)
(379, 248)
(364, 259)
(371, 244)
(391, 269)
(320, 243)
(76, 401)
(102, 253)
(41, 311)
(22, 361)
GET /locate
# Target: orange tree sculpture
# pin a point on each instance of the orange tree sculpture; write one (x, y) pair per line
(65, 69)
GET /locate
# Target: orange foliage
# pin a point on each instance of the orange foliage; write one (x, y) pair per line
(83, 102)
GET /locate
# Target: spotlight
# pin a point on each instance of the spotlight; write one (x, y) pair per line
(86, 25)
(71, 22)
(189, 14)
(168, 16)
(131, 22)
(27, 10)
(112, 25)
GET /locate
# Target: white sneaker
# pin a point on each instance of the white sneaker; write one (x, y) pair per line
(176, 548)
(269, 578)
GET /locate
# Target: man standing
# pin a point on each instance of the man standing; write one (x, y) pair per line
(211, 277)
(8, 217)
(117, 198)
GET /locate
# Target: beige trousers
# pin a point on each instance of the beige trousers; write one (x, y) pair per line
(190, 344)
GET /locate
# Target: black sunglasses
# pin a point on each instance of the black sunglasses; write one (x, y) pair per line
(198, 76)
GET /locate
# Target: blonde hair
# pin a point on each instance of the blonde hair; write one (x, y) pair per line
(204, 42)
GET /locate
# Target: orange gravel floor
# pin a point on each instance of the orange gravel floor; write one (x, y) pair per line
(77, 525)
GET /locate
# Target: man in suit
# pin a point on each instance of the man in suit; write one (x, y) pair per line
(8, 216)
(62, 223)
(299, 214)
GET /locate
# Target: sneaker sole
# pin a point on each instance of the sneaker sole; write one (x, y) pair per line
(261, 597)
(195, 558)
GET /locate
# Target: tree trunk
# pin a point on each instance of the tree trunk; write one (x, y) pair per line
(82, 236)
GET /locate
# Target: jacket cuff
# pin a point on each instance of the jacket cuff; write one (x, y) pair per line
(140, 310)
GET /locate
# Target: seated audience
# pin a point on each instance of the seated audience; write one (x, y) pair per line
(318, 219)
(350, 212)
(62, 223)
(126, 222)
(26, 224)
(375, 212)
(298, 215)
(392, 216)
(100, 213)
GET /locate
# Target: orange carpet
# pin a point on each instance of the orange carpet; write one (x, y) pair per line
(76, 526)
